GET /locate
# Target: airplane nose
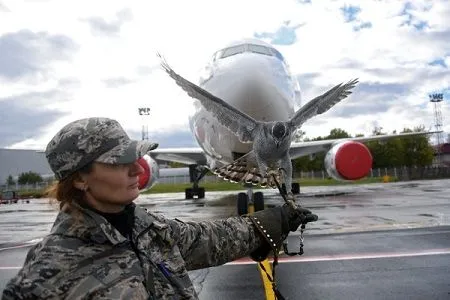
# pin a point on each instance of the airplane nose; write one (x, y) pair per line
(252, 83)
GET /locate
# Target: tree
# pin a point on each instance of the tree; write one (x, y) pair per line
(10, 181)
(316, 161)
(174, 164)
(405, 151)
(377, 130)
(337, 133)
(417, 149)
(298, 135)
(29, 178)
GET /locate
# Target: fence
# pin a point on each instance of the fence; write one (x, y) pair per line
(400, 173)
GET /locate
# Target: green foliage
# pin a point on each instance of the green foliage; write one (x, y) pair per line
(29, 178)
(394, 152)
(174, 164)
(223, 185)
(10, 180)
(299, 136)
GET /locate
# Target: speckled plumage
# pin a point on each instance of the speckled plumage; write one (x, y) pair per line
(271, 140)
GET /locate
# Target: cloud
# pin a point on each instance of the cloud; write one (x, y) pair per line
(26, 117)
(168, 140)
(410, 11)
(26, 52)
(350, 12)
(285, 35)
(146, 70)
(386, 44)
(100, 27)
(3, 8)
(117, 82)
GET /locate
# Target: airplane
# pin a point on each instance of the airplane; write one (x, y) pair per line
(254, 77)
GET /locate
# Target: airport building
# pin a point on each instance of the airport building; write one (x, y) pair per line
(15, 161)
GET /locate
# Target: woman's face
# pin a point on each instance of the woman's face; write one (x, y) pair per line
(111, 187)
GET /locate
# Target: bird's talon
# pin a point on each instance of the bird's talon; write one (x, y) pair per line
(290, 197)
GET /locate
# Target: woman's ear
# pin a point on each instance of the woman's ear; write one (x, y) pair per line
(80, 183)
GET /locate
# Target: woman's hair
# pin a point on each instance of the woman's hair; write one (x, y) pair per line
(64, 191)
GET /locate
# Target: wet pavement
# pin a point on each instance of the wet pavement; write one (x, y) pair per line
(372, 241)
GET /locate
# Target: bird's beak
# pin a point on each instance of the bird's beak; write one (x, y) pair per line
(278, 144)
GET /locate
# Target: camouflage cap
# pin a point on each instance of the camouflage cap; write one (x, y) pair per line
(92, 139)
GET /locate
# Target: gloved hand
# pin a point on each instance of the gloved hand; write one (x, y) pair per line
(274, 224)
(294, 215)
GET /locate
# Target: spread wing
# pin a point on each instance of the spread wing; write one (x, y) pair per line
(322, 103)
(236, 121)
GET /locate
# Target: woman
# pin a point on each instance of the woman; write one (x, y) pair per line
(102, 245)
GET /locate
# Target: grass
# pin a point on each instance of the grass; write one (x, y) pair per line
(228, 186)
(223, 185)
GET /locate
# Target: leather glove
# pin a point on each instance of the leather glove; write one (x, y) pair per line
(295, 215)
(274, 224)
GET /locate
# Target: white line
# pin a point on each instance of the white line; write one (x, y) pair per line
(247, 261)
(10, 268)
(16, 247)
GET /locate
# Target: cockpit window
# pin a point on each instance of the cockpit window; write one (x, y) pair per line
(248, 48)
(233, 51)
(259, 49)
(278, 54)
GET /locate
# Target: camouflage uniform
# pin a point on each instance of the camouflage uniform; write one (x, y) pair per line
(92, 260)
(89, 258)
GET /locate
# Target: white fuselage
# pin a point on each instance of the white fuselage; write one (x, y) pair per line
(257, 84)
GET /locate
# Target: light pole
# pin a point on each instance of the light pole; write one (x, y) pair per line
(437, 99)
(144, 111)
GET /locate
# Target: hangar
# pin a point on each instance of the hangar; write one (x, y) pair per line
(16, 161)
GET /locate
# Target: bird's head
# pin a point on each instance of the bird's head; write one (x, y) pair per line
(279, 131)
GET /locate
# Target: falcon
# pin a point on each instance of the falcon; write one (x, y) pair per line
(271, 140)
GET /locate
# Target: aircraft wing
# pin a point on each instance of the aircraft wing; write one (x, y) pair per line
(306, 148)
(196, 155)
(186, 156)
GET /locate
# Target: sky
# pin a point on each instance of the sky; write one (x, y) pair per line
(65, 60)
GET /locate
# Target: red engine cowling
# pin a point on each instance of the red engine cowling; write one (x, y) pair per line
(348, 161)
(151, 173)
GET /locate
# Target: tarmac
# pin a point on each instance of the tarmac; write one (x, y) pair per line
(374, 241)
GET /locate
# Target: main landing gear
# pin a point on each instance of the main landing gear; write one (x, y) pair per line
(196, 173)
(257, 198)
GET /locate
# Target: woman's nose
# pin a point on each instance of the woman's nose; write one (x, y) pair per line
(137, 168)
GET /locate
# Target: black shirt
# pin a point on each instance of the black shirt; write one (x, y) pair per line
(123, 221)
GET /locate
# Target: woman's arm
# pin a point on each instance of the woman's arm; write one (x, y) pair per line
(212, 243)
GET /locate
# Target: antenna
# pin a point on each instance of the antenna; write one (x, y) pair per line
(143, 112)
(437, 99)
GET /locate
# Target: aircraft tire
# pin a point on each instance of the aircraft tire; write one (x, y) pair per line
(295, 188)
(189, 193)
(242, 204)
(201, 193)
(258, 201)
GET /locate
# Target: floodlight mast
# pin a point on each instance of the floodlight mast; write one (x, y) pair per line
(437, 98)
(144, 111)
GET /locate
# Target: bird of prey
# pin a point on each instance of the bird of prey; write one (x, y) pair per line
(271, 140)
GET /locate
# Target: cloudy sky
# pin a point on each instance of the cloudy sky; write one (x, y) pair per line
(62, 60)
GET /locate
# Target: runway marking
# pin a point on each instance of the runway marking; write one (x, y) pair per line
(248, 261)
(10, 268)
(270, 295)
(29, 244)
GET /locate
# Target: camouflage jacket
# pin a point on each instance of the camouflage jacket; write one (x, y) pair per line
(91, 259)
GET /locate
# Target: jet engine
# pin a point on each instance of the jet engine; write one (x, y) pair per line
(348, 160)
(151, 173)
